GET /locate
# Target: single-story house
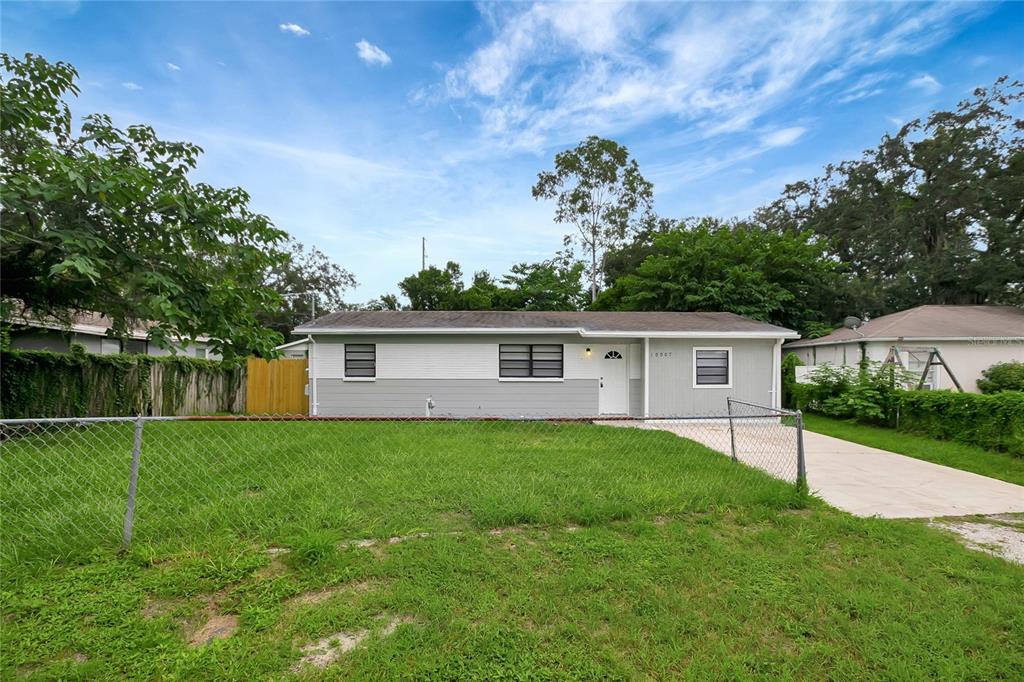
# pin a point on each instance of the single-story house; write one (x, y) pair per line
(970, 339)
(511, 364)
(89, 330)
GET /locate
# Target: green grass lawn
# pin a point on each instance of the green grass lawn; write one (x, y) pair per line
(999, 465)
(528, 551)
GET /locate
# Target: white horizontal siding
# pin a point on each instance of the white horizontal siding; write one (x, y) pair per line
(329, 360)
(437, 361)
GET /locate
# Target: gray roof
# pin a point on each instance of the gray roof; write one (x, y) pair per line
(625, 322)
(932, 322)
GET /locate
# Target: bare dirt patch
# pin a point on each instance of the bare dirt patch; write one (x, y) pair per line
(220, 626)
(157, 608)
(997, 539)
(327, 650)
(505, 531)
(322, 595)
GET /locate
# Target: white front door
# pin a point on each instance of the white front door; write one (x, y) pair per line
(613, 391)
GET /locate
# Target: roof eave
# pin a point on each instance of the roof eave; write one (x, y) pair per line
(765, 334)
(899, 339)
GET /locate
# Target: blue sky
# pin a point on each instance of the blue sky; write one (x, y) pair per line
(359, 128)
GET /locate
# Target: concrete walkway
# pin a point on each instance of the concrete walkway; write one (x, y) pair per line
(870, 482)
(856, 478)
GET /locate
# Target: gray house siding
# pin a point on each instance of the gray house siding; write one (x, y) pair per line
(463, 380)
(636, 397)
(671, 375)
(457, 397)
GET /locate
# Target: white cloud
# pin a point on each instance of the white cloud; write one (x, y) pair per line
(925, 82)
(371, 54)
(173, 67)
(782, 137)
(294, 29)
(129, 85)
(554, 72)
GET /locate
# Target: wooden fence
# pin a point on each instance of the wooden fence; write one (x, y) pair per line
(276, 387)
(196, 392)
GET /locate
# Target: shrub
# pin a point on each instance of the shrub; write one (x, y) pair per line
(789, 365)
(995, 422)
(1002, 376)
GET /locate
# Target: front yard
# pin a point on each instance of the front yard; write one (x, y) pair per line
(490, 551)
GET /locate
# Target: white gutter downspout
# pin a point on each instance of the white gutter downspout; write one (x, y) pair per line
(777, 374)
(647, 377)
(311, 371)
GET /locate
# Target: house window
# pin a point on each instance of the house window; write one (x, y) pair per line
(537, 361)
(360, 360)
(712, 367)
(613, 355)
(110, 346)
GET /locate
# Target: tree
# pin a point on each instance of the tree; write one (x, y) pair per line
(934, 214)
(385, 302)
(309, 282)
(107, 220)
(598, 189)
(779, 277)
(434, 288)
(549, 285)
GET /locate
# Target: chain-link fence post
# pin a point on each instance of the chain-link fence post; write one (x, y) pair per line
(732, 431)
(801, 464)
(133, 484)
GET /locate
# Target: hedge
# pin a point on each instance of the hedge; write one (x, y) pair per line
(872, 396)
(994, 422)
(79, 384)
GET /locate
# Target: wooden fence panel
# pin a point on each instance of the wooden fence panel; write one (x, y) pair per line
(276, 387)
(197, 393)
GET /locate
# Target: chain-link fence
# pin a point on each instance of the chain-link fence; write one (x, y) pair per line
(73, 485)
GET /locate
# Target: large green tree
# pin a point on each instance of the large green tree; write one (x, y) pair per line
(310, 283)
(781, 277)
(550, 285)
(107, 219)
(933, 214)
(435, 289)
(599, 190)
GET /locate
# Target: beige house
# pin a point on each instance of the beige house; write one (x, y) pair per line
(89, 330)
(970, 338)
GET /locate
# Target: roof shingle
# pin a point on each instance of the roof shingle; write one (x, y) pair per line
(625, 322)
(932, 322)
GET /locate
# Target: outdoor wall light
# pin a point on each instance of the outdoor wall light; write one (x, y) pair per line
(588, 352)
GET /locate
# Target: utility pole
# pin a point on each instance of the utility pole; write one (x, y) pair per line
(423, 254)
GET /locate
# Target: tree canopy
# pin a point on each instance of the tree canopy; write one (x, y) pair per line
(309, 282)
(778, 277)
(933, 214)
(598, 189)
(107, 220)
(549, 285)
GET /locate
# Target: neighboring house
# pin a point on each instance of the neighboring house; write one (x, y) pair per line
(970, 338)
(90, 330)
(392, 363)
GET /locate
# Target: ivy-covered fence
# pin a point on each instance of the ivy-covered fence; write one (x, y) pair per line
(78, 384)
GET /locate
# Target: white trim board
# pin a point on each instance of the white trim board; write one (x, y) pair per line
(555, 330)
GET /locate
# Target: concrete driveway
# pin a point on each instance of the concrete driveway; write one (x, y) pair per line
(861, 480)
(870, 482)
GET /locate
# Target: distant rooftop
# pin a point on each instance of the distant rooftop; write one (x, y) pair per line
(932, 322)
(624, 322)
